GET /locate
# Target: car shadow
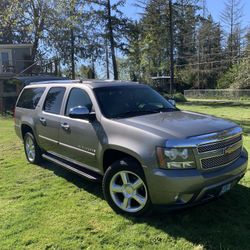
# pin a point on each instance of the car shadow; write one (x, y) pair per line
(85, 184)
(223, 223)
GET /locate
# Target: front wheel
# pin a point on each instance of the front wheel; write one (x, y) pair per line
(125, 188)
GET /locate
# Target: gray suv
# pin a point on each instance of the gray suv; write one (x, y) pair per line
(144, 150)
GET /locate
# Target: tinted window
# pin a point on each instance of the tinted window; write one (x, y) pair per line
(30, 98)
(53, 100)
(78, 97)
(125, 101)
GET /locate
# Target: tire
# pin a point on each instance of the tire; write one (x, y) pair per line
(125, 189)
(32, 150)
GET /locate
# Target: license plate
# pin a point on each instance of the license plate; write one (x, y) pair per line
(225, 189)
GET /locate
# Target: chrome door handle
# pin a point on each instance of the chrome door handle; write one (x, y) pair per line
(65, 126)
(43, 121)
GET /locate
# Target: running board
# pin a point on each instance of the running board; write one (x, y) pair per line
(83, 172)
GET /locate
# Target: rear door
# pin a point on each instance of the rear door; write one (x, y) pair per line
(48, 123)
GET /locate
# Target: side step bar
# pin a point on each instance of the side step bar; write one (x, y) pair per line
(83, 172)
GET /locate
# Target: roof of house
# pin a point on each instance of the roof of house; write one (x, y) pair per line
(26, 80)
(11, 46)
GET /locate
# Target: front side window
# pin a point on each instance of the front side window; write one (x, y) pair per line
(30, 98)
(78, 97)
(53, 101)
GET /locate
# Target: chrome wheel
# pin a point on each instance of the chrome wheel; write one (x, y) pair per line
(128, 191)
(30, 149)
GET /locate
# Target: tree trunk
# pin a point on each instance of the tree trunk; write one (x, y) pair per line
(38, 19)
(72, 41)
(111, 40)
(107, 58)
(172, 83)
(72, 53)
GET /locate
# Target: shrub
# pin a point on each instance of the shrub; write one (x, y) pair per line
(178, 97)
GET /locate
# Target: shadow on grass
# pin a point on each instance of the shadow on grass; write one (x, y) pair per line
(220, 224)
(80, 182)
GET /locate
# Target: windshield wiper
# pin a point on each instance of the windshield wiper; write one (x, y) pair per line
(165, 110)
(144, 112)
(135, 113)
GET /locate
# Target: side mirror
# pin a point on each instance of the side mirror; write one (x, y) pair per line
(81, 112)
(173, 102)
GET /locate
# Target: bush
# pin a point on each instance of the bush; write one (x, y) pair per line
(178, 97)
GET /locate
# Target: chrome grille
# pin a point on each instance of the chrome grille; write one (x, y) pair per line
(219, 145)
(220, 160)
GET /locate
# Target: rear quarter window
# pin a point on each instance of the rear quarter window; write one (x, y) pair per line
(30, 98)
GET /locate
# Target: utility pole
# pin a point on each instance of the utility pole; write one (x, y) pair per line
(172, 84)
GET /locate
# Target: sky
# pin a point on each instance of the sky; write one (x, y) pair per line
(215, 7)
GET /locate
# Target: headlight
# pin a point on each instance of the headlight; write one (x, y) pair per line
(175, 158)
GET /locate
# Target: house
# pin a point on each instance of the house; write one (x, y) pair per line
(14, 58)
(17, 70)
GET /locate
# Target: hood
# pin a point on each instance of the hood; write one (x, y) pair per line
(179, 124)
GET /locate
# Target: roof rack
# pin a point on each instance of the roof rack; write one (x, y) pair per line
(83, 81)
(56, 81)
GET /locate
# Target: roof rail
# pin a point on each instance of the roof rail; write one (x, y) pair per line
(56, 81)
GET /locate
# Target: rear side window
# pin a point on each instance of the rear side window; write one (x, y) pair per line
(30, 98)
(54, 100)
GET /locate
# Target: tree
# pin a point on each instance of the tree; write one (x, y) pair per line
(237, 77)
(154, 39)
(231, 18)
(69, 31)
(114, 27)
(9, 19)
(186, 21)
(209, 53)
(134, 51)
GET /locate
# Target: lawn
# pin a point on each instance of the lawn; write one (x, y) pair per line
(46, 207)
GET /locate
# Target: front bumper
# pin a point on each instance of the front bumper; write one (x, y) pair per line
(183, 188)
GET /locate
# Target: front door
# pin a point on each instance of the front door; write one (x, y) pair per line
(78, 138)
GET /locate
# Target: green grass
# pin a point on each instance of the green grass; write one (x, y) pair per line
(45, 207)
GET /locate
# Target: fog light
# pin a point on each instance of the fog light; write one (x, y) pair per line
(180, 165)
(183, 198)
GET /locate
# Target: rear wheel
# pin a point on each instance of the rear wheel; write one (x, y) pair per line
(125, 188)
(32, 150)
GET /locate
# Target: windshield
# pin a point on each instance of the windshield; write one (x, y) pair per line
(128, 101)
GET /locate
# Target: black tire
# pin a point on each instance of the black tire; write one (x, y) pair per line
(37, 151)
(134, 171)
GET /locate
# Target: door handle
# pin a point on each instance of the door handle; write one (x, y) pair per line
(43, 121)
(65, 126)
